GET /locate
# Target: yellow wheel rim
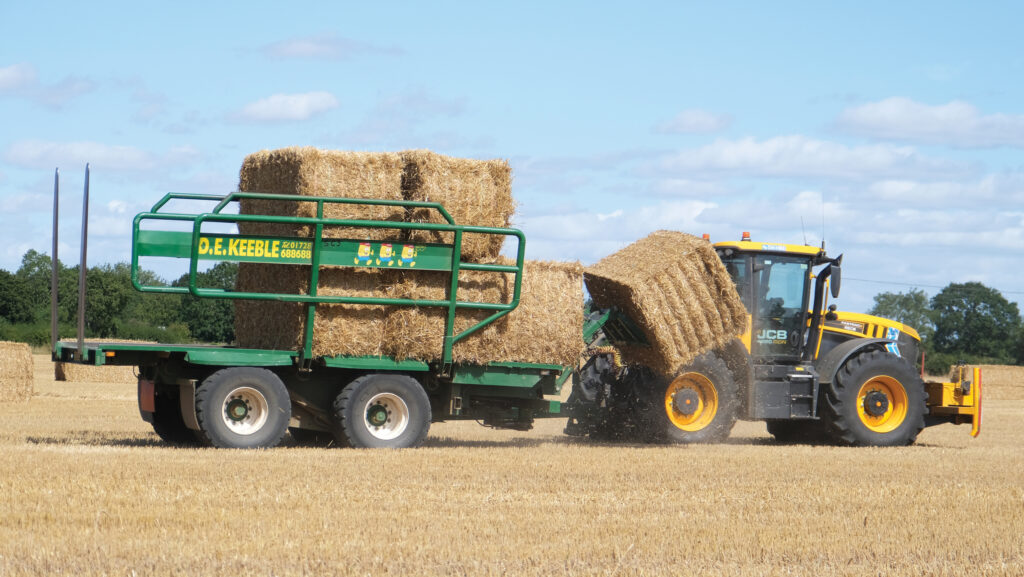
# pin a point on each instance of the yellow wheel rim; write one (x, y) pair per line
(882, 404)
(691, 401)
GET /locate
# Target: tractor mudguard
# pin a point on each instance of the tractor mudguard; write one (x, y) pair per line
(829, 365)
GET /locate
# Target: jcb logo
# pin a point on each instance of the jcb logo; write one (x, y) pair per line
(772, 335)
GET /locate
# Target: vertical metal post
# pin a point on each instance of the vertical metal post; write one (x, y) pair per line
(82, 267)
(55, 267)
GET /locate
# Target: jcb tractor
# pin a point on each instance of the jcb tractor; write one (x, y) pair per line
(812, 373)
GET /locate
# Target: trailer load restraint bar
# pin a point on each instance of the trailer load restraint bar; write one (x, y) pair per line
(316, 251)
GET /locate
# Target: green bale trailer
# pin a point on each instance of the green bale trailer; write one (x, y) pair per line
(233, 397)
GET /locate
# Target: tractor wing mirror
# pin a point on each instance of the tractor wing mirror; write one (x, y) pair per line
(837, 276)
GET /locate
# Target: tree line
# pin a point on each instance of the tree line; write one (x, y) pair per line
(967, 322)
(114, 309)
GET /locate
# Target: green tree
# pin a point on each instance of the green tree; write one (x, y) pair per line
(976, 322)
(910, 308)
(15, 305)
(108, 290)
(211, 320)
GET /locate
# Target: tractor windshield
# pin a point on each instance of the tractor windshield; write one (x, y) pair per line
(780, 305)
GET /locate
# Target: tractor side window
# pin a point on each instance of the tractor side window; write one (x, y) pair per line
(738, 269)
(781, 309)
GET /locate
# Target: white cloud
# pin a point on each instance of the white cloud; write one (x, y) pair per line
(800, 156)
(282, 107)
(695, 121)
(328, 47)
(17, 77)
(22, 80)
(957, 123)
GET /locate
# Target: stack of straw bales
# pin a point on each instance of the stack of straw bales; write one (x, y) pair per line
(543, 329)
(676, 289)
(16, 379)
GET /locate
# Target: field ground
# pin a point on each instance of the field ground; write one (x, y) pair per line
(86, 488)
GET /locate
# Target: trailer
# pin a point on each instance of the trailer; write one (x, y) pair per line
(233, 397)
(856, 389)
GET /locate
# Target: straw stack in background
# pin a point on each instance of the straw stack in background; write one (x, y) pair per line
(676, 289)
(16, 378)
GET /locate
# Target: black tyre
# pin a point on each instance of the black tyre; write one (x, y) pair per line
(311, 438)
(168, 423)
(797, 432)
(243, 408)
(876, 399)
(697, 406)
(382, 411)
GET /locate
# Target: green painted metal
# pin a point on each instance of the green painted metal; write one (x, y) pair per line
(95, 353)
(521, 376)
(201, 244)
(376, 364)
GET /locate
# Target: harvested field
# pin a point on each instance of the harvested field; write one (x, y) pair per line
(16, 380)
(676, 289)
(87, 489)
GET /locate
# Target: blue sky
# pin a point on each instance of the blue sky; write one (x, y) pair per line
(897, 128)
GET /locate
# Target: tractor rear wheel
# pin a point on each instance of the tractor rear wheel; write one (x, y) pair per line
(876, 399)
(382, 410)
(697, 406)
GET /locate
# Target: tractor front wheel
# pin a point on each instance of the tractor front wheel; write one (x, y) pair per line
(697, 406)
(876, 399)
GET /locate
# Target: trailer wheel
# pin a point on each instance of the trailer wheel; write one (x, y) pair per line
(243, 408)
(382, 410)
(168, 423)
(697, 406)
(876, 399)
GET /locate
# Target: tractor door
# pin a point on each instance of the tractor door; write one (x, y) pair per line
(780, 289)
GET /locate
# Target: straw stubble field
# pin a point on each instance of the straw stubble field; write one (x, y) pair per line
(86, 488)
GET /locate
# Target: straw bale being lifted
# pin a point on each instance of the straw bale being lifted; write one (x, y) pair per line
(474, 192)
(676, 289)
(16, 374)
(310, 172)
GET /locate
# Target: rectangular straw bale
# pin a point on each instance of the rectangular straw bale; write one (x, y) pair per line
(676, 289)
(339, 329)
(474, 192)
(544, 328)
(310, 172)
(418, 332)
(16, 372)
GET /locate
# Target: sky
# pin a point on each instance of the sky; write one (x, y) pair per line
(893, 131)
